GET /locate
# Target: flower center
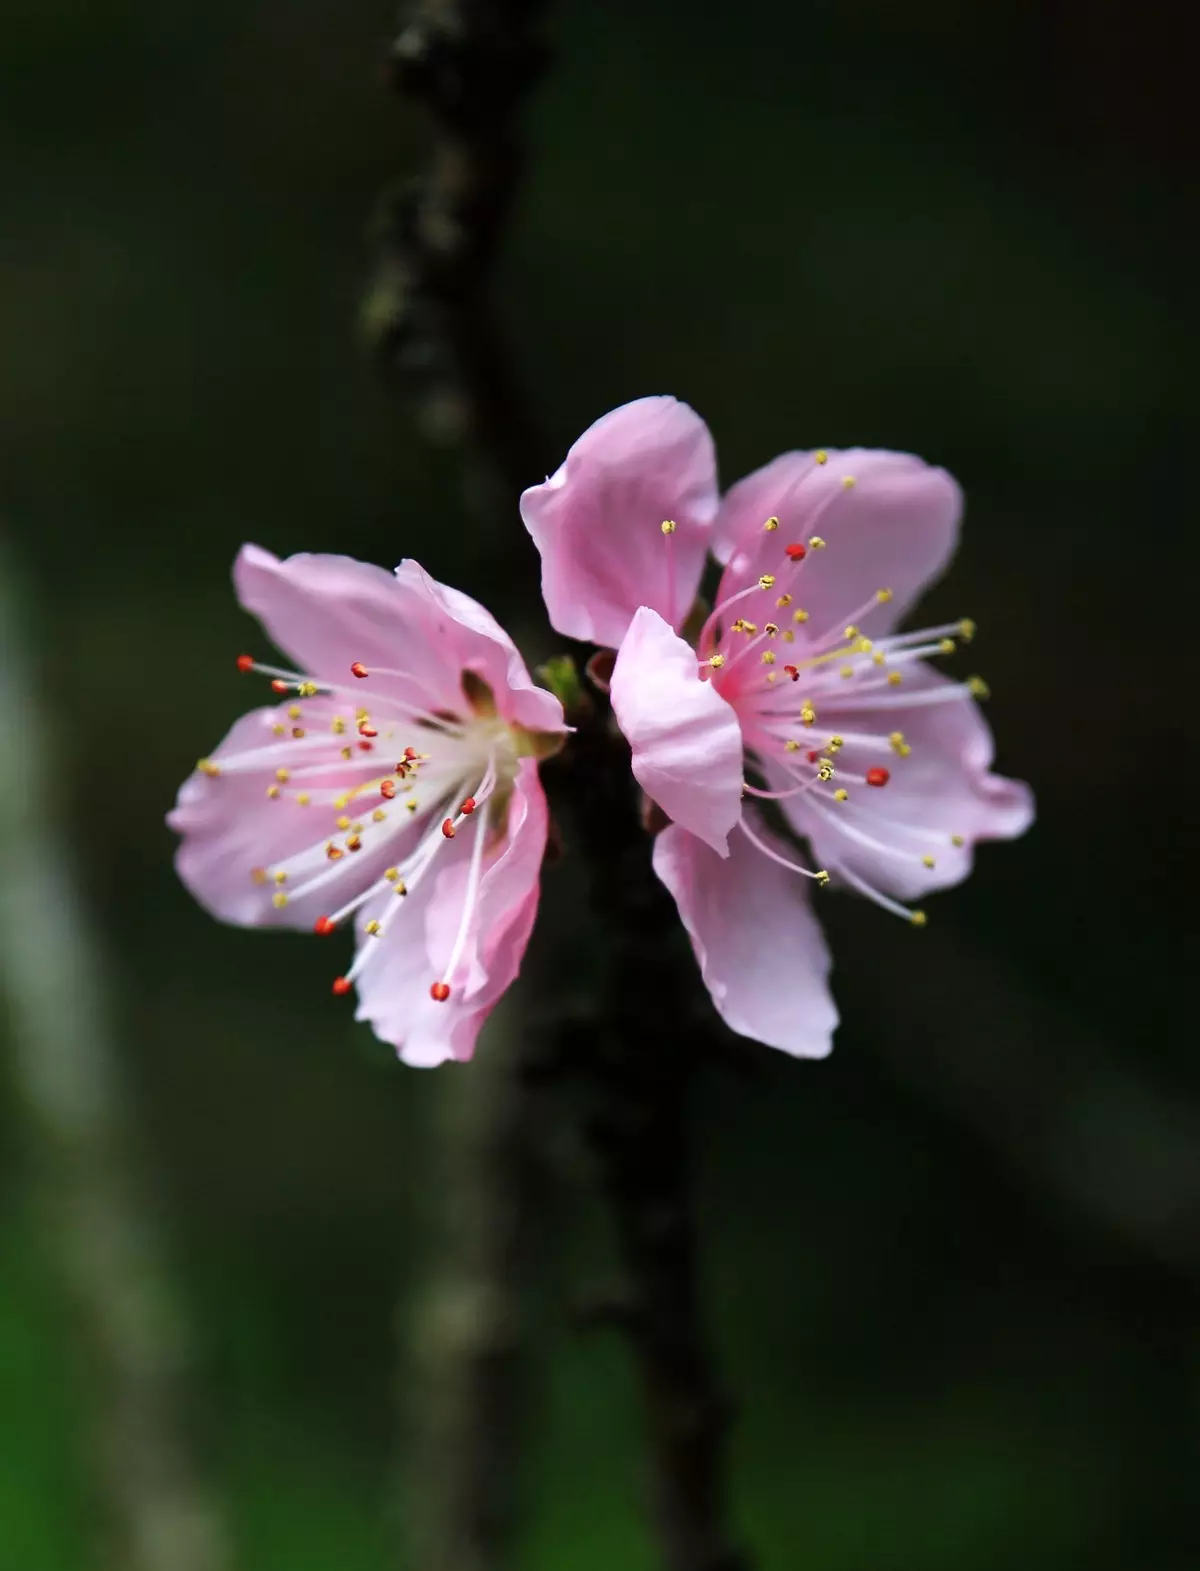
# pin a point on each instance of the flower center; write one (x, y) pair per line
(818, 709)
(390, 783)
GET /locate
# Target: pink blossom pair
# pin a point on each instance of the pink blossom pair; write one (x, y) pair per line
(395, 784)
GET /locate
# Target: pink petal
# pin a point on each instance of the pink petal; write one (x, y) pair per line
(895, 528)
(686, 741)
(326, 612)
(475, 641)
(761, 951)
(598, 521)
(393, 991)
(942, 788)
(230, 827)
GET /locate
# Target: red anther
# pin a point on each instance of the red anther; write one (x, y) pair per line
(366, 729)
(410, 753)
(402, 770)
(387, 788)
(793, 672)
(341, 984)
(359, 670)
(366, 747)
(245, 663)
(469, 805)
(448, 828)
(796, 552)
(440, 992)
(278, 686)
(878, 776)
(323, 926)
(813, 756)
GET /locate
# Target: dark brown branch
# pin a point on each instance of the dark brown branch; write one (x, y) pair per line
(429, 316)
(639, 1060)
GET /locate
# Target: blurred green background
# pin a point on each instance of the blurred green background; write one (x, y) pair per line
(953, 1269)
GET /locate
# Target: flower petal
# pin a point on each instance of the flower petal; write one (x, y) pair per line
(393, 990)
(686, 741)
(761, 951)
(472, 640)
(941, 789)
(894, 528)
(598, 521)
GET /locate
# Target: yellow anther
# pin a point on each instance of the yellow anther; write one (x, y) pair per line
(851, 632)
(822, 878)
(347, 753)
(391, 874)
(283, 776)
(824, 773)
(927, 861)
(836, 742)
(667, 526)
(273, 792)
(378, 816)
(279, 900)
(302, 799)
(883, 596)
(792, 745)
(978, 688)
(895, 678)
(767, 581)
(716, 661)
(281, 876)
(294, 711)
(846, 671)
(771, 629)
(412, 804)
(879, 658)
(372, 927)
(768, 657)
(946, 646)
(772, 676)
(957, 840)
(400, 887)
(297, 732)
(783, 600)
(789, 637)
(816, 543)
(279, 730)
(341, 801)
(865, 646)
(343, 822)
(258, 875)
(896, 741)
(353, 843)
(966, 630)
(808, 715)
(207, 767)
(917, 918)
(821, 456)
(841, 794)
(338, 726)
(362, 714)
(799, 616)
(307, 689)
(849, 482)
(771, 525)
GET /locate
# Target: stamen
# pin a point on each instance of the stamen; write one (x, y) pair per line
(821, 876)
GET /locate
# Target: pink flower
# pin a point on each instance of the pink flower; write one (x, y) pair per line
(799, 697)
(394, 786)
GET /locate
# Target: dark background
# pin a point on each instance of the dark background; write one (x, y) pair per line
(953, 1273)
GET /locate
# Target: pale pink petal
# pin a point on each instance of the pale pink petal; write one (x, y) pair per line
(598, 521)
(895, 528)
(685, 739)
(943, 788)
(761, 951)
(473, 640)
(231, 828)
(327, 612)
(393, 990)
